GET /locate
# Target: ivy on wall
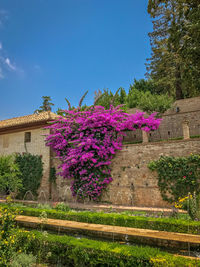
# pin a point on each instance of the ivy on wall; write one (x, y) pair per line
(31, 168)
(177, 176)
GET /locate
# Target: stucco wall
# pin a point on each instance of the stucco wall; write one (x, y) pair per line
(14, 142)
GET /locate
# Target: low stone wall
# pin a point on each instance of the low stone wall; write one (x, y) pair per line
(171, 126)
(133, 183)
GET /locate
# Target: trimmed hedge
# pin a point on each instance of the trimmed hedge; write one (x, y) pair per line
(161, 224)
(69, 251)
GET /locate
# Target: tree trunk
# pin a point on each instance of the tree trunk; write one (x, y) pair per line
(179, 92)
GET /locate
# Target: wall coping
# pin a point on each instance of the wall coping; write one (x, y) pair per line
(163, 142)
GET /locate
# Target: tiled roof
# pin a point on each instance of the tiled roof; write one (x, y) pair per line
(29, 119)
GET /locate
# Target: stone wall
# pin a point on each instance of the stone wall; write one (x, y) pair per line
(171, 125)
(60, 191)
(133, 183)
(14, 143)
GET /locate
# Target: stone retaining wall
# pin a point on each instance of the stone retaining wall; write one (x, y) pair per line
(133, 183)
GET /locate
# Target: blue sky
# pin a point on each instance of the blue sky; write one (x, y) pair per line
(63, 48)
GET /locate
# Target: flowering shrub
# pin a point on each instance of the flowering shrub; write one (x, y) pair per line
(177, 176)
(86, 141)
(11, 245)
(182, 202)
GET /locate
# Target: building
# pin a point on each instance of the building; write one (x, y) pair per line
(171, 126)
(27, 134)
(133, 183)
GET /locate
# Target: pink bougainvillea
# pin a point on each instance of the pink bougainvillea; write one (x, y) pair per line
(86, 141)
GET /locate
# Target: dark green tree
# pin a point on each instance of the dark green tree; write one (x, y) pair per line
(46, 105)
(165, 64)
(145, 85)
(174, 64)
(190, 49)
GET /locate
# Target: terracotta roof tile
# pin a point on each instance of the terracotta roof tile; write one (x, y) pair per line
(28, 119)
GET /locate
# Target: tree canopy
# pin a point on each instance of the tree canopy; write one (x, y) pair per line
(46, 105)
(175, 41)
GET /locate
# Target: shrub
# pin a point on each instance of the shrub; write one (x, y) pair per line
(10, 180)
(23, 260)
(69, 251)
(7, 235)
(31, 168)
(86, 141)
(193, 206)
(177, 176)
(45, 206)
(62, 207)
(161, 224)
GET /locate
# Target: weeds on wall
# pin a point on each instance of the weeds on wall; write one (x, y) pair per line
(31, 168)
(177, 176)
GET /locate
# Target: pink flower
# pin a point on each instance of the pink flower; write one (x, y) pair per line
(85, 142)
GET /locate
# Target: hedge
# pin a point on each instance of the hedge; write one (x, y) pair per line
(161, 224)
(69, 251)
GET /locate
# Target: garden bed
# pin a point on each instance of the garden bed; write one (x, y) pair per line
(69, 251)
(161, 224)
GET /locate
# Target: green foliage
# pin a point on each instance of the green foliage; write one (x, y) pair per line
(10, 247)
(175, 42)
(10, 180)
(62, 207)
(177, 176)
(46, 105)
(45, 206)
(23, 260)
(105, 99)
(143, 222)
(69, 251)
(141, 95)
(7, 235)
(133, 97)
(149, 102)
(193, 206)
(143, 85)
(31, 168)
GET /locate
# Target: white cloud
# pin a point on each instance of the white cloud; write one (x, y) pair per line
(9, 64)
(5, 63)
